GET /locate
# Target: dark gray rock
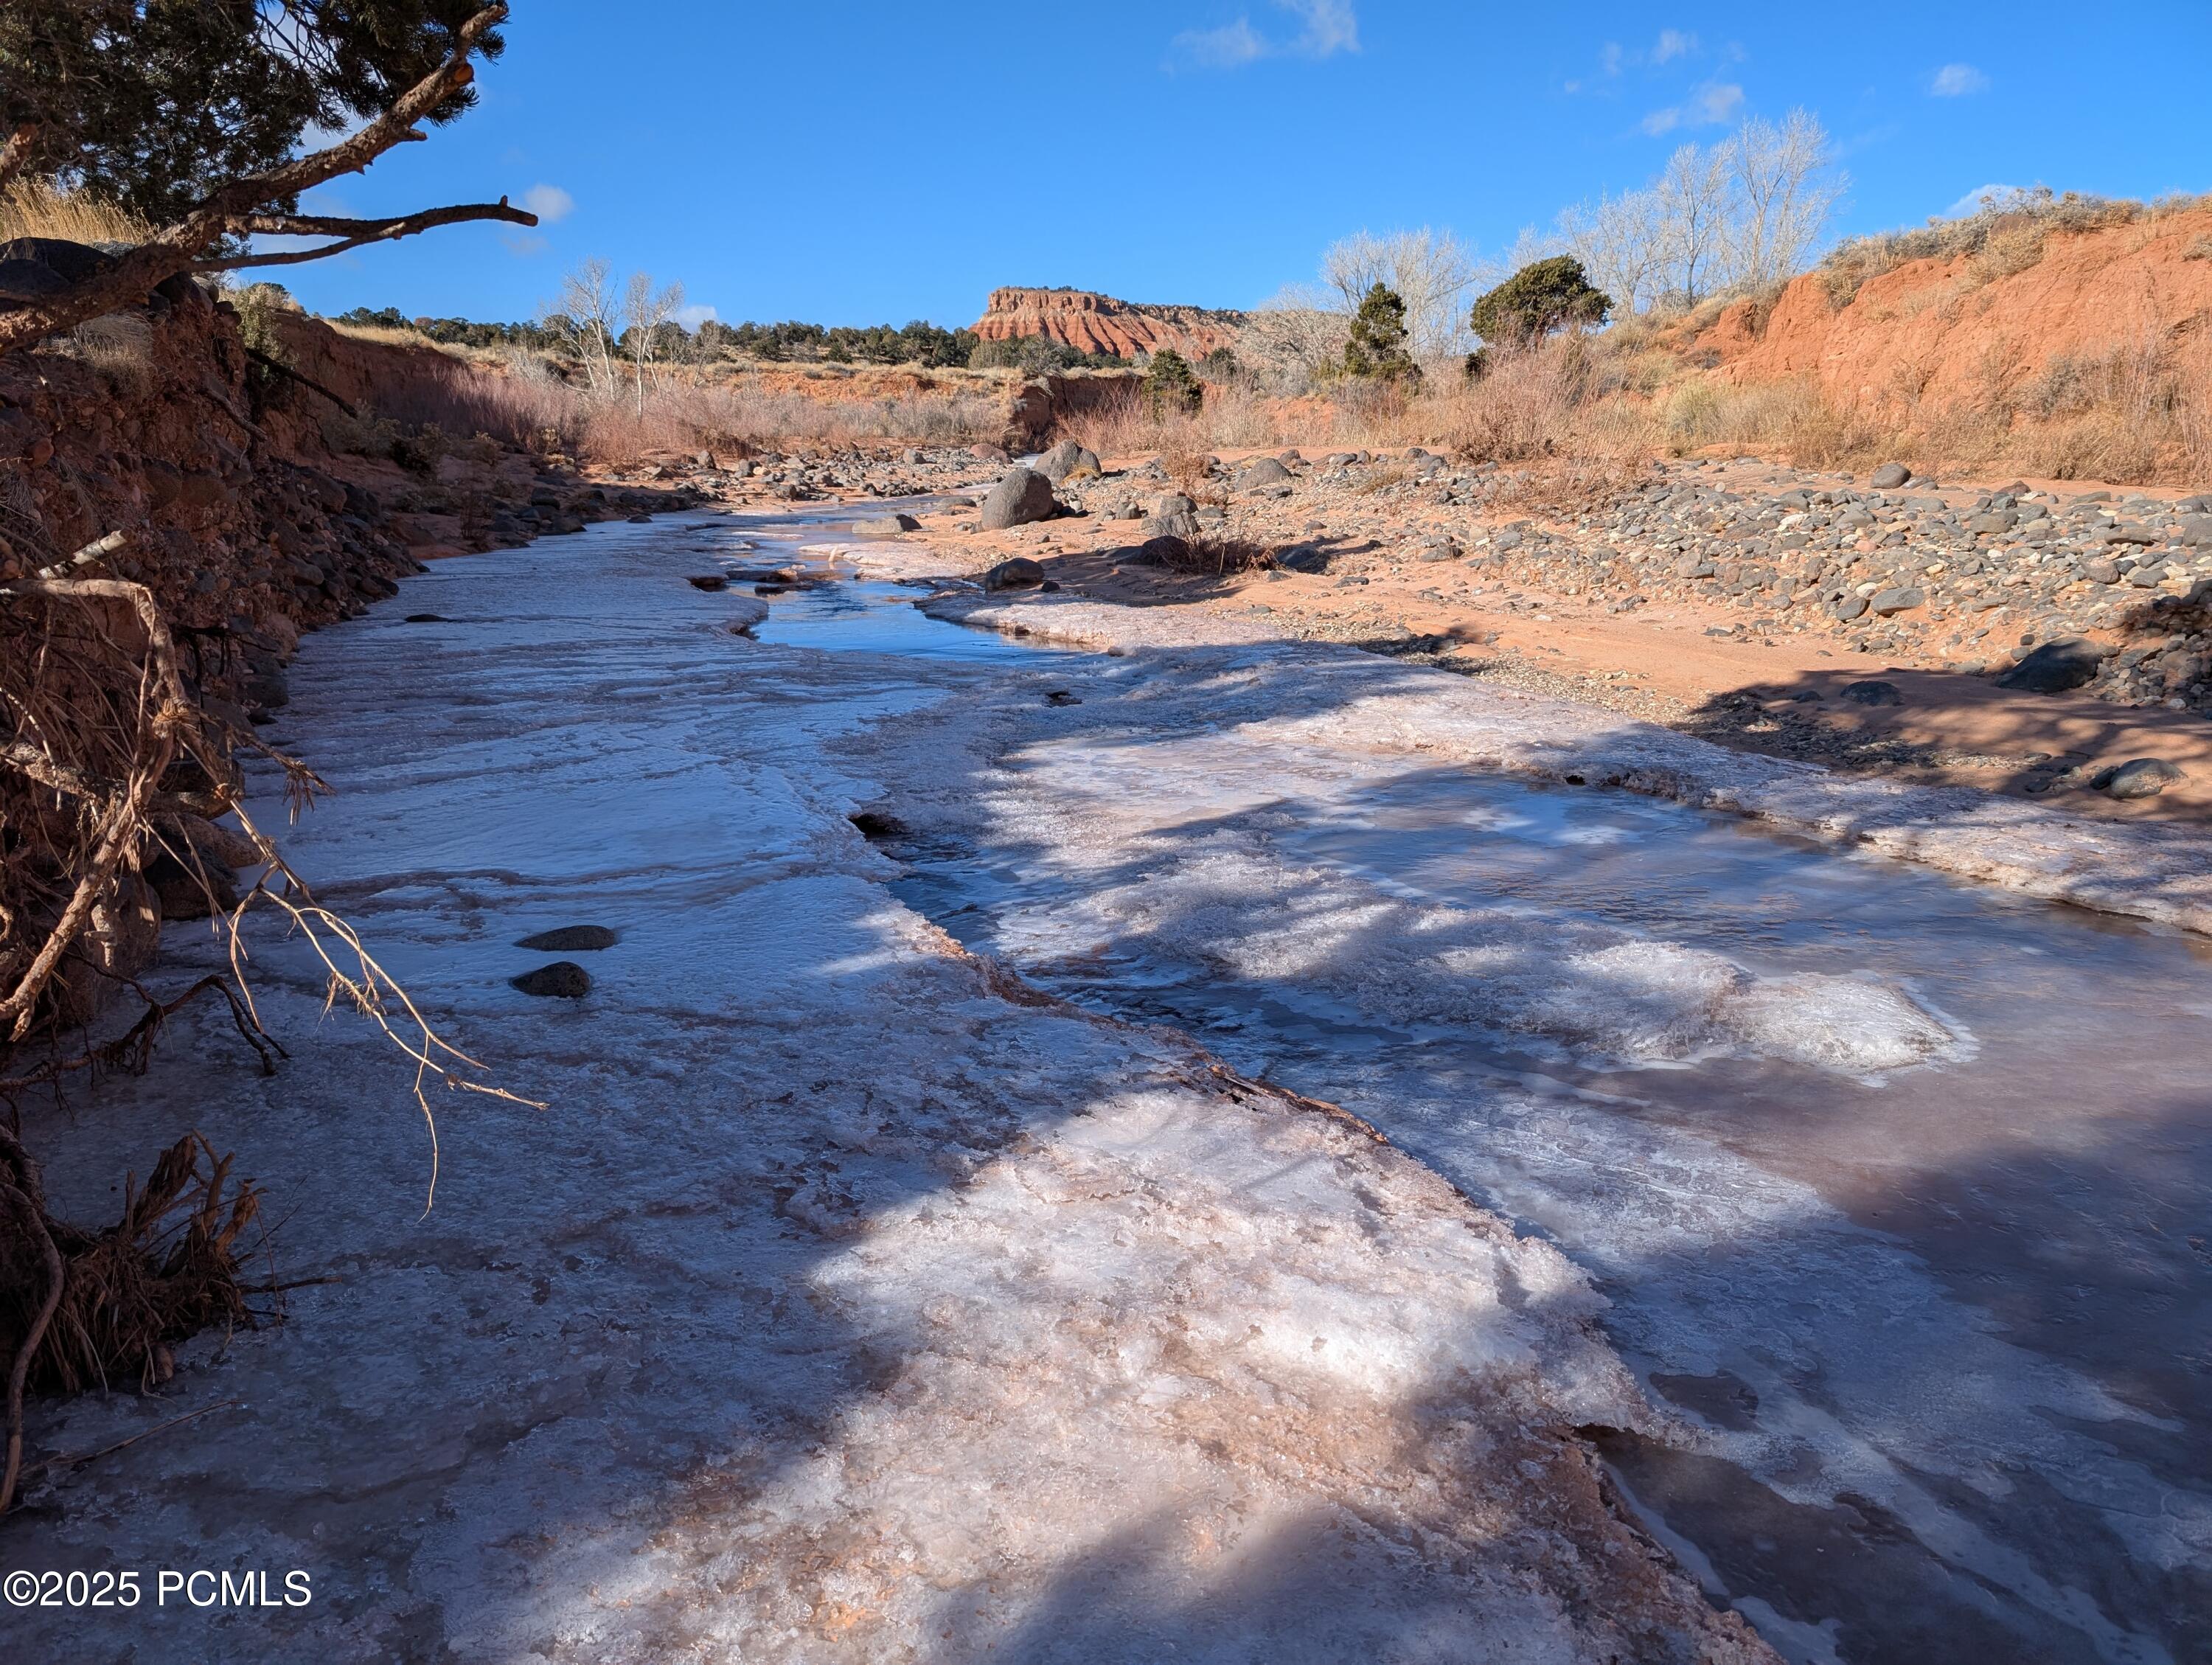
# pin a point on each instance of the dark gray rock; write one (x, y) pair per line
(1068, 461)
(1872, 692)
(1264, 471)
(709, 581)
(1903, 599)
(1852, 607)
(1302, 561)
(2139, 777)
(1019, 574)
(1023, 496)
(1889, 477)
(2055, 667)
(563, 980)
(886, 525)
(571, 939)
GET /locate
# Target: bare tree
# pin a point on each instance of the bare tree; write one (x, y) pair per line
(1694, 221)
(257, 205)
(1745, 213)
(1619, 241)
(1784, 194)
(1431, 271)
(645, 311)
(1289, 339)
(587, 320)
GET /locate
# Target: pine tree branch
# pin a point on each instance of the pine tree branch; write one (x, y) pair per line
(352, 233)
(176, 248)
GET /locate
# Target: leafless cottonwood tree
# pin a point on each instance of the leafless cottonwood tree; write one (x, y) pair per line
(588, 321)
(1744, 214)
(645, 311)
(1785, 194)
(258, 204)
(1431, 271)
(1290, 338)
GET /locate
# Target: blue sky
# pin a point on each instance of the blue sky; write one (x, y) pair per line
(853, 163)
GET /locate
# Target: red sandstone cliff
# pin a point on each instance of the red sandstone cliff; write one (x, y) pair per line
(1099, 324)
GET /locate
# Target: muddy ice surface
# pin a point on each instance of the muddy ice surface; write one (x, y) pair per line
(1896, 1186)
(846, 1301)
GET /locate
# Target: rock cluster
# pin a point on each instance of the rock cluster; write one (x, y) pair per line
(2107, 591)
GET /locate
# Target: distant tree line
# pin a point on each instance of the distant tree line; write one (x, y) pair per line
(454, 332)
(789, 342)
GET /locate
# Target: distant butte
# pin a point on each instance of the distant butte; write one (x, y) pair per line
(1099, 324)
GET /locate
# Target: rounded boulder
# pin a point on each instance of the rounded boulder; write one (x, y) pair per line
(1023, 496)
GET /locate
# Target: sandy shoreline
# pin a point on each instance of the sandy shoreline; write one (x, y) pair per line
(1670, 662)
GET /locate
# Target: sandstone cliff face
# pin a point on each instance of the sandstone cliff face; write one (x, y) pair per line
(1947, 331)
(1099, 324)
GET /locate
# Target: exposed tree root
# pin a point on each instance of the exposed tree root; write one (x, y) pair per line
(115, 762)
(79, 1309)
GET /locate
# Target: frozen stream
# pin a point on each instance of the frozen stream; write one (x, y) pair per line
(1898, 1186)
(849, 1301)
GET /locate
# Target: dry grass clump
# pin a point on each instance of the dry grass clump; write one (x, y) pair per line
(1211, 557)
(33, 208)
(1795, 416)
(1126, 424)
(524, 404)
(1997, 241)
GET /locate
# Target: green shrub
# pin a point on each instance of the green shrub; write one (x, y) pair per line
(1035, 354)
(1171, 385)
(1376, 349)
(1539, 300)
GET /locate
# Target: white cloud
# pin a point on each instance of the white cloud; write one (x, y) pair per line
(1329, 26)
(548, 202)
(1672, 43)
(1225, 48)
(1611, 58)
(692, 317)
(1994, 196)
(526, 244)
(1708, 105)
(1957, 79)
(1717, 102)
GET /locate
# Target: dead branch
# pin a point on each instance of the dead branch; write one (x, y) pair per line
(277, 366)
(226, 210)
(133, 1049)
(174, 719)
(99, 550)
(78, 1459)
